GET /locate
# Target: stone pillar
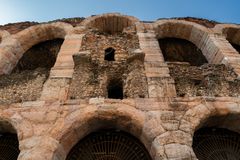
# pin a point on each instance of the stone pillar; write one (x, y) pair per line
(82, 76)
(41, 148)
(174, 145)
(56, 87)
(160, 83)
(136, 82)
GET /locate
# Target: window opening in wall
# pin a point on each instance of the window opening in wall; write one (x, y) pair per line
(9, 146)
(115, 89)
(180, 50)
(109, 54)
(216, 144)
(109, 145)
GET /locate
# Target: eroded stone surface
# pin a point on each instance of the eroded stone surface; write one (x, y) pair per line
(150, 109)
(26, 80)
(206, 80)
(92, 77)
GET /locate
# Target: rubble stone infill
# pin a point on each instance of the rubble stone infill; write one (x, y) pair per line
(207, 80)
(53, 106)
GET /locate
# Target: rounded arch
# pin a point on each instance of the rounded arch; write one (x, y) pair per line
(179, 29)
(90, 119)
(219, 135)
(7, 126)
(18, 44)
(9, 141)
(43, 32)
(229, 121)
(197, 116)
(16, 125)
(210, 117)
(110, 23)
(192, 32)
(225, 28)
(210, 143)
(232, 34)
(180, 50)
(109, 144)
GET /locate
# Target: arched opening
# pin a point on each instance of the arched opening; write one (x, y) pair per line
(232, 35)
(216, 143)
(110, 23)
(130, 120)
(218, 138)
(41, 55)
(9, 145)
(115, 89)
(183, 58)
(109, 54)
(180, 50)
(27, 78)
(110, 144)
(192, 74)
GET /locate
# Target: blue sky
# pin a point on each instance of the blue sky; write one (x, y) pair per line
(46, 10)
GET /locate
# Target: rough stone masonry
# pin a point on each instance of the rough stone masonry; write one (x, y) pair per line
(165, 80)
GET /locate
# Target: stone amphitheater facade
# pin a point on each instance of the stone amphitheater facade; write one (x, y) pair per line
(72, 102)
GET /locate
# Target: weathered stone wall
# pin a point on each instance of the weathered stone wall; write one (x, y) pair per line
(98, 72)
(207, 80)
(49, 130)
(72, 102)
(24, 86)
(26, 80)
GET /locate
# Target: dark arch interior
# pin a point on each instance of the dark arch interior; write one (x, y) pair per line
(111, 24)
(26, 81)
(42, 55)
(115, 89)
(109, 145)
(180, 50)
(213, 143)
(237, 47)
(109, 54)
(232, 35)
(9, 146)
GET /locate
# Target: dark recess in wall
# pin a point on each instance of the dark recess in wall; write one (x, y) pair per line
(180, 50)
(237, 47)
(42, 55)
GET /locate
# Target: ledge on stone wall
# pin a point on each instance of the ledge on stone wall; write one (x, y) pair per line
(137, 54)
